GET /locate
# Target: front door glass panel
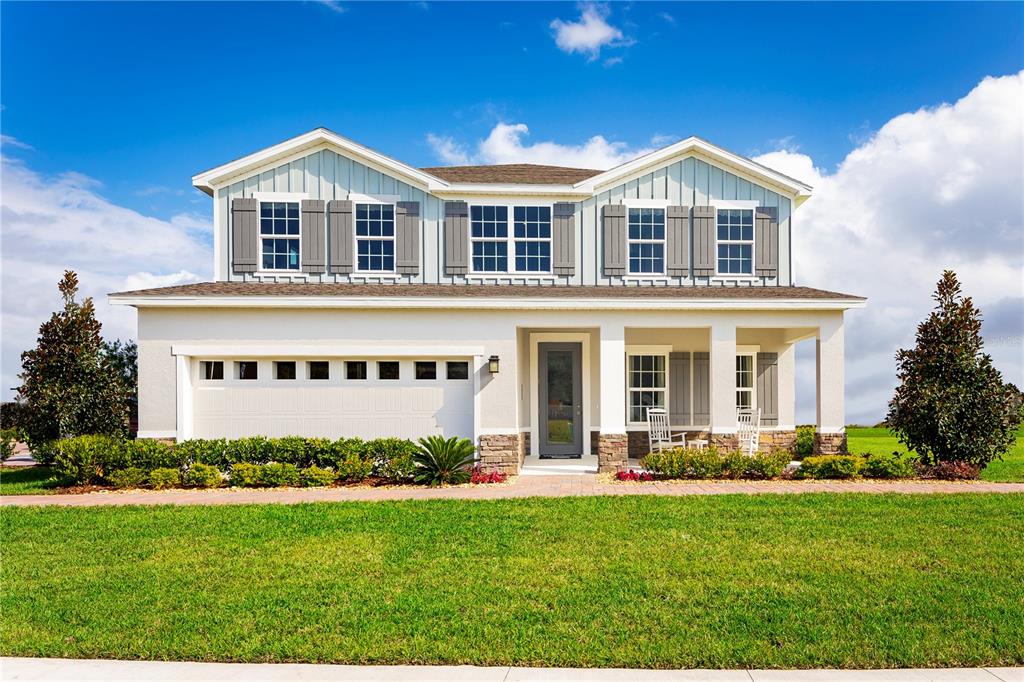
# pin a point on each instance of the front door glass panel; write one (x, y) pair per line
(561, 398)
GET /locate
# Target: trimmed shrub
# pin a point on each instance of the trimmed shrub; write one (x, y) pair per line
(392, 458)
(8, 441)
(831, 466)
(667, 463)
(353, 469)
(279, 474)
(804, 441)
(201, 475)
(148, 454)
(202, 451)
(734, 464)
(764, 465)
(894, 465)
(316, 477)
(132, 477)
(254, 450)
(705, 463)
(85, 459)
(290, 449)
(245, 475)
(44, 453)
(164, 478)
(318, 452)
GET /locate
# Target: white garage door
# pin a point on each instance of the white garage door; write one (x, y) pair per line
(335, 408)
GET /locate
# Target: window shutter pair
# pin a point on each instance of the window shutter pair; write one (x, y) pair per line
(616, 248)
(456, 238)
(766, 241)
(340, 228)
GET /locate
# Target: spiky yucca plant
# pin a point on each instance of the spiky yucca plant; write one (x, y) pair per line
(443, 460)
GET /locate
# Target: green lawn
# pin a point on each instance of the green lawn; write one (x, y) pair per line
(1011, 468)
(728, 581)
(27, 480)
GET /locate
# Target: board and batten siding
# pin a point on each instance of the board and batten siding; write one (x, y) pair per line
(327, 175)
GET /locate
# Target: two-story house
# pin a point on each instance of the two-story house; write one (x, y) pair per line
(537, 310)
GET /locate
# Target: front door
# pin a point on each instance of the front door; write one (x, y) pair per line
(561, 400)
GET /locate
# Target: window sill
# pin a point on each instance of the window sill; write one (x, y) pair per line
(527, 275)
(375, 275)
(648, 278)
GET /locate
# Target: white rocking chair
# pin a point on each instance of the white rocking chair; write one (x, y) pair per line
(748, 428)
(659, 435)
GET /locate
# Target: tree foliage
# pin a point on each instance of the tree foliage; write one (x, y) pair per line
(70, 385)
(951, 404)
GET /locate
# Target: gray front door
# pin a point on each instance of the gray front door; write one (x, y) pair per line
(561, 400)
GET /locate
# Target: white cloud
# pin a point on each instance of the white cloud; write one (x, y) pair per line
(9, 141)
(333, 5)
(589, 33)
(506, 144)
(55, 223)
(933, 189)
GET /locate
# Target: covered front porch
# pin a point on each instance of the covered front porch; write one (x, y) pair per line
(584, 391)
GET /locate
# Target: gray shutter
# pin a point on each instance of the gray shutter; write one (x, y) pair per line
(563, 239)
(766, 242)
(341, 230)
(314, 237)
(768, 388)
(456, 237)
(679, 388)
(701, 388)
(703, 241)
(245, 235)
(677, 241)
(614, 219)
(407, 237)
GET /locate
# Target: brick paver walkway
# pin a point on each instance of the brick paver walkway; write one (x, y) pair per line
(522, 486)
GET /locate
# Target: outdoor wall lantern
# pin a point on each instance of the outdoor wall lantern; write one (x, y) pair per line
(492, 364)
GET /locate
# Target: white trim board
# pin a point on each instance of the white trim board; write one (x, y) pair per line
(322, 350)
(469, 303)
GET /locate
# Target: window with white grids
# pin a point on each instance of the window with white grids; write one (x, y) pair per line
(646, 241)
(375, 237)
(735, 241)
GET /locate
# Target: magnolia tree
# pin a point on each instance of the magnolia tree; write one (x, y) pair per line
(952, 404)
(70, 384)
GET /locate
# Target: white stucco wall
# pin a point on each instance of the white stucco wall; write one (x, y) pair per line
(435, 333)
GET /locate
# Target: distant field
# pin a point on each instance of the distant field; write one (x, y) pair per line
(1010, 469)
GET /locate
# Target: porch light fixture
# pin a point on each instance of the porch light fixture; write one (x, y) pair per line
(492, 364)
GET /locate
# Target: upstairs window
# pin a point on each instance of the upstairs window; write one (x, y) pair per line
(375, 237)
(279, 235)
(646, 241)
(525, 248)
(533, 238)
(489, 234)
(735, 241)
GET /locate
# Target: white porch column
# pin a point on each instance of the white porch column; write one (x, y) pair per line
(723, 377)
(831, 432)
(613, 442)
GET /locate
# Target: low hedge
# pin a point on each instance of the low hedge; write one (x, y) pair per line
(713, 463)
(831, 466)
(98, 459)
(883, 466)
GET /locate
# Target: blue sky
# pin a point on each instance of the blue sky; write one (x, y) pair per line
(908, 119)
(142, 96)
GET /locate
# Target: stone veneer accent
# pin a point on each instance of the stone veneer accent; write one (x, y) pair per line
(785, 440)
(830, 443)
(612, 451)
(500, 452)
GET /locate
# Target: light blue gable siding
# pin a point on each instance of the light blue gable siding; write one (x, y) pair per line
(327, 175)
(686, 182)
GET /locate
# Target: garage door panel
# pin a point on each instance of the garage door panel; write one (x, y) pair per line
(365, 411)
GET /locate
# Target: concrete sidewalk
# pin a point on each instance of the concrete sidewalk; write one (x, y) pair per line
(568, 485)
(57, 669)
